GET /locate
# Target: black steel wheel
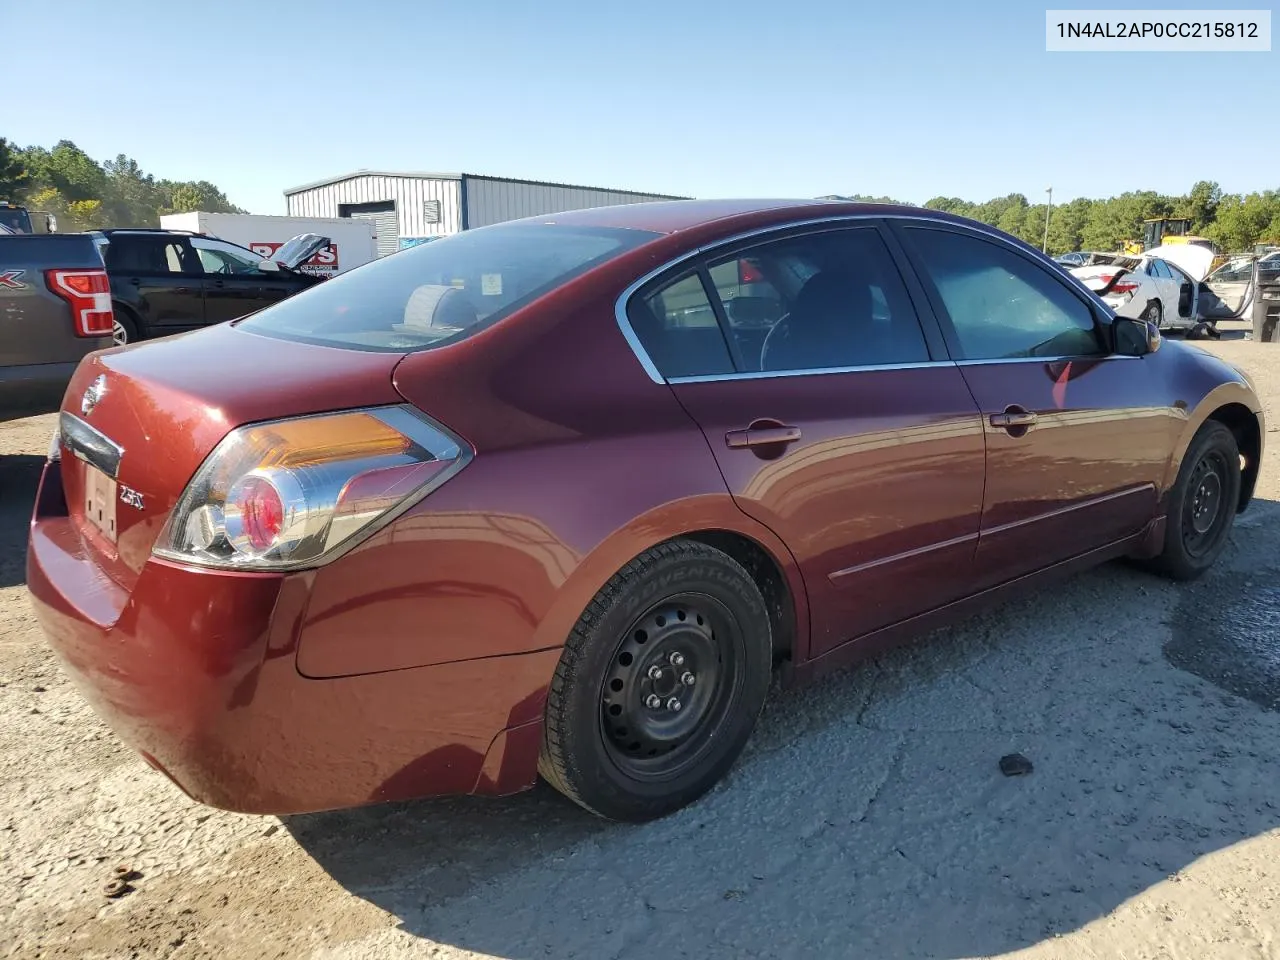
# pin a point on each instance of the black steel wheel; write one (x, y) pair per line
(677, 671)
(660, 684)
(1202, 503)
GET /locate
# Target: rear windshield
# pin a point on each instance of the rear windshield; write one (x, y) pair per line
(16, 220)
(441, 292)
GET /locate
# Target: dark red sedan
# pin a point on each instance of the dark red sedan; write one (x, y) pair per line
(556, 496)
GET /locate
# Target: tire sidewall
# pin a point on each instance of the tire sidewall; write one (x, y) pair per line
(600, 782)
(1210, 436)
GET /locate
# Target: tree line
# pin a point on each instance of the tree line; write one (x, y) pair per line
(1236, 222)
(85, 194)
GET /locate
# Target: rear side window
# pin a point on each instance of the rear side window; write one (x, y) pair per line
(680, 332)
(834, 300)
(821, 301)
(1001, 305)
(153, 255)
(438, 293)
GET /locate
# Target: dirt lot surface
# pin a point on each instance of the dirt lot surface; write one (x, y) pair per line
(868, 817)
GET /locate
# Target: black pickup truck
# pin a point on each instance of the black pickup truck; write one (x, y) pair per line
(170, 281)
(55, 307)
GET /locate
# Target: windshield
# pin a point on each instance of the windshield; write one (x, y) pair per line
(15, 219)
(441, 292)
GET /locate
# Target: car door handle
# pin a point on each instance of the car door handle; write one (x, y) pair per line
(761, 436)
(1015, 419)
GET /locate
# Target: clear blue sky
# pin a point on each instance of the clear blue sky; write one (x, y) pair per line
(785, 98)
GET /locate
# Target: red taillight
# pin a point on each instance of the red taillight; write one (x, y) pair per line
(256, 507)
(748, 272)
(1124, 286)
(88, 292)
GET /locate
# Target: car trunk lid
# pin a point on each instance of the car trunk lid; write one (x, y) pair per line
(298, 250)
(137, 422)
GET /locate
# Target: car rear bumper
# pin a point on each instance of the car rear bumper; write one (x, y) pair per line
(197, 671)
(33, 388)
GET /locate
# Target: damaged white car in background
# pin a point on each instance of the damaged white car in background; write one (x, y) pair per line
(1161, 286)
(1171, 286)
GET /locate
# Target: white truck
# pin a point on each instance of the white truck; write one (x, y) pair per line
(351, 241)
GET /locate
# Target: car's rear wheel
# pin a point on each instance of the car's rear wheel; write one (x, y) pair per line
(660, 684)
(1154, 314)
(123, 329)
(1202, 504)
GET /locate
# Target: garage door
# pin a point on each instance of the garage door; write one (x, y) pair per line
(388, 229)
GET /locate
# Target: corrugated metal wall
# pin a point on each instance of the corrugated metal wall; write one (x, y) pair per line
(493, 201)
(411, 196)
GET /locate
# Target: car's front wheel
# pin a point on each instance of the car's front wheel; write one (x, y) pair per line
(1202, 504)
(660, 684)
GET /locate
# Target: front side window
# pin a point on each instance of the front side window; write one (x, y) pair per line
(1234, 271)
(438, 293)
(224, 258)
(1002, 305)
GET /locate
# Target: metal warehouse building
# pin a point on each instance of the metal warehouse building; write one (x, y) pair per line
(412, 208)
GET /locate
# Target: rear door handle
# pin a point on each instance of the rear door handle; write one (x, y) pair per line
(1015, 419)
(762, 436)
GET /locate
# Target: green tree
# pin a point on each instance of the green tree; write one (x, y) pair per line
(130, 197)
(67, 169)
(13, 170)
(195, 195)
(1201, 205)
(1242, 222)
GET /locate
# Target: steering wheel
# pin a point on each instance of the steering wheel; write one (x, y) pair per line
(780, 324)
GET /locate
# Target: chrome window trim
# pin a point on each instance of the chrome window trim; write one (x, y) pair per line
(882, 367)
(815, 372)
(1059, 359)
(650, 368)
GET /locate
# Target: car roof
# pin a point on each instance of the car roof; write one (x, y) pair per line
(672, 216)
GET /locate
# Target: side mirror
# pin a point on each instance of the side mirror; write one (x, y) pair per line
(269, 266)
(1135, 338)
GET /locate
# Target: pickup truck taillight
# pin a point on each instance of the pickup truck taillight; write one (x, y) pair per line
(88, 293)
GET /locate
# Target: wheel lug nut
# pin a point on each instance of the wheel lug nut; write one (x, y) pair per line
(655, 672)
(688, 679)
(653, 701)
(674, 705)
(677, 659)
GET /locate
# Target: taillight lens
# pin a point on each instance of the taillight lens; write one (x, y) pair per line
(1125, 286)
(88, 292)
(296, 493)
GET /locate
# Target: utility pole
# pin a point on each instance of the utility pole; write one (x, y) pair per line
(1044, 247)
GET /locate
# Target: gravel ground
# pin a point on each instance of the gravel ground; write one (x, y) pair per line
(868, 817)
